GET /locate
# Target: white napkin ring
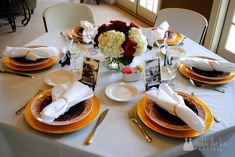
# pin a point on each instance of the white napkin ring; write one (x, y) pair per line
(66, 100)
(174, 109)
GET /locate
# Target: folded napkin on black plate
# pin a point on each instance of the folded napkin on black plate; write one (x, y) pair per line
(208, 64)
(65, 96)
(31, 53)
(89, 31)
(170, 101)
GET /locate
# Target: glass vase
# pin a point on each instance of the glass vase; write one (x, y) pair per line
(113, 63)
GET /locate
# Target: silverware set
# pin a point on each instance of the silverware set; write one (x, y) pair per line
(15, 73)
(204, 85)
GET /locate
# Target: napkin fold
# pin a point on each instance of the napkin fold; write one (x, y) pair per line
(161, 30)
(170, 101)
(155, 33)
(31, 53)
(207, 64)
(65, 96)
(89, 31)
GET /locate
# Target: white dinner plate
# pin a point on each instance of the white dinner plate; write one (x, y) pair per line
(60, 77)
(175, 51)
(121, 91)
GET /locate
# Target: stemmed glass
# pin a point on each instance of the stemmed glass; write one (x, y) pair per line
(159, 46)
(171, 69)
(170, 64)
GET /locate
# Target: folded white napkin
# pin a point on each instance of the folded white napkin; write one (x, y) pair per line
(89, 31)
(170, 101)
(65, 96)
(155, 33)
(31, 53)
(208, 65)
(161, 30)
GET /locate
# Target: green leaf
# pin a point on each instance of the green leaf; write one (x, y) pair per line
(126, 60)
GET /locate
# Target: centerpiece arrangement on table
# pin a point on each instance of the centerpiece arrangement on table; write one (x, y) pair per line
(120, 43)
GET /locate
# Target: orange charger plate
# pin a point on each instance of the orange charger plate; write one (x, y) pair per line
(173, 133)
(177, 40)
(7, 62)
(183, 70)
(64, 128)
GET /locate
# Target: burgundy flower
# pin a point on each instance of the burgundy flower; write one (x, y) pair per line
(129, 48)
(134, 25)
(101, 29)
(118, 26)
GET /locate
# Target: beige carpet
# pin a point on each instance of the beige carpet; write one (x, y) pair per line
(103, 14)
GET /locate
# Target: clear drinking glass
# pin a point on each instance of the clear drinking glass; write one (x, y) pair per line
(75, 54)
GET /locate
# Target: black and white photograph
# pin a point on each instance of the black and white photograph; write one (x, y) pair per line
(152, 73)
(90, 71)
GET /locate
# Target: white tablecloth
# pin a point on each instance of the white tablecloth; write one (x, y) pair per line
(116, 136)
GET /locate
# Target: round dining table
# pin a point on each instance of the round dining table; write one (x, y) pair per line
(117, 136)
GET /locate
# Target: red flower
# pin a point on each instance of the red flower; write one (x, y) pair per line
(129, 48)
(118, 26)
(101, 29)
(127, 70)
(133, 25)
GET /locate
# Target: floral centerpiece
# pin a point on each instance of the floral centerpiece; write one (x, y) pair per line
(120, 42)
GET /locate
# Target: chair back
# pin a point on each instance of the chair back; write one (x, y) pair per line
(66, 15)
(187, 22)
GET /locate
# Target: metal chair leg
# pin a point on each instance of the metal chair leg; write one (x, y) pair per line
(10, 17)
(27, 13)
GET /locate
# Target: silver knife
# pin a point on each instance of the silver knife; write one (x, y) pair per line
(15, 73)
(100, 120)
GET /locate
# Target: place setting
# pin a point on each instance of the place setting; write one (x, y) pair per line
(84, 35)
(64, 108)
(162, 35)
(206, 70)
(169, 112)
(29, 58)
(174, 114)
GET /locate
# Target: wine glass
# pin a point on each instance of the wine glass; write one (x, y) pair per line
(169, 70)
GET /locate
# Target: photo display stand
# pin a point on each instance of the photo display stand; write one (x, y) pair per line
(66, 59)
(90, 72)
(152, 75)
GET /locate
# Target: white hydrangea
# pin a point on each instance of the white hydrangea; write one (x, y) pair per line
(137, 36)
(110, 43)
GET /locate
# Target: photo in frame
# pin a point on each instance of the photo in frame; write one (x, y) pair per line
(90, 71)
(152, 75)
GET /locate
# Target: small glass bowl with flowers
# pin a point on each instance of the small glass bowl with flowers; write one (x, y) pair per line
(120, 43)
(132, 74)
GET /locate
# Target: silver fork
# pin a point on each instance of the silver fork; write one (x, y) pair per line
(197, 84)
(133, 118)
(217, 119)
